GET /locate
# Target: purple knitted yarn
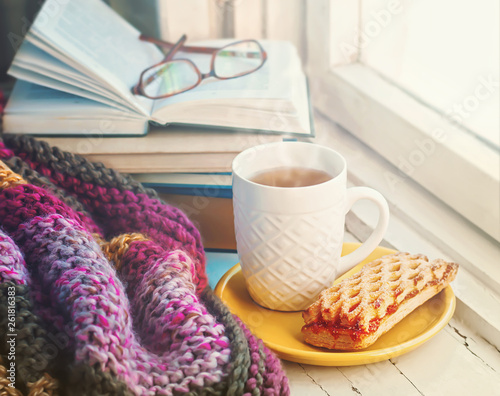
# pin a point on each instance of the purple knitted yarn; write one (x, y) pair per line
(272, 379)
(118, 212)
(22, 202)
(119, 276)
(18, 324)
(12, 266)
(84, 288)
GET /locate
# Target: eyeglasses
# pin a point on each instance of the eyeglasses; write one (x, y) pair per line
(174, 76)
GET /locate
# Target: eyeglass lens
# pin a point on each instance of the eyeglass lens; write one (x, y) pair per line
(238, 59)
(179, 75)
(170, 78)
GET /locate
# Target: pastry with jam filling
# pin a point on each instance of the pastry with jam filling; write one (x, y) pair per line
(354, 313)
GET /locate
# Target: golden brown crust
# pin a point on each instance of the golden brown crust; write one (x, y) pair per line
(356, 312)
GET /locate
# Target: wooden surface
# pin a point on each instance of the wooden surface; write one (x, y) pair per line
(454, 362)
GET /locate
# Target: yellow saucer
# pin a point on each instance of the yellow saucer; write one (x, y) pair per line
(280, 331)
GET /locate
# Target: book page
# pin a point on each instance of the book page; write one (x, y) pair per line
(32, 57)
(31, 98)
(177, 140)
(55, 58)
(35, 109)
(159, 163)
(61, 84)
(272, 81)
(39, 67)
(98, 39)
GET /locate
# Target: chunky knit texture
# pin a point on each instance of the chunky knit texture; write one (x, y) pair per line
(108, 288)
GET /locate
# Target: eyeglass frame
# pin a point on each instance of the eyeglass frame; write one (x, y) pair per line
(138, 89)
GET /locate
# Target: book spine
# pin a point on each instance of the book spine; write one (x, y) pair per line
(212, 215)
(200, 190)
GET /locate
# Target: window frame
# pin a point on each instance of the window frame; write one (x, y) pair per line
(431, 141)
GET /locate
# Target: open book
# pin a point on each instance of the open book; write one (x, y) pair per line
(80, 59)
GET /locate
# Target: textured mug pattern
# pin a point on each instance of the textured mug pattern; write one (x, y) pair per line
(288, 259)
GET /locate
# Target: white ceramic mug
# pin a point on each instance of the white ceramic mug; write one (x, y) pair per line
(289, 239)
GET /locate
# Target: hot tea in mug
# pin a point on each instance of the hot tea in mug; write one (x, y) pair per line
(291, 177)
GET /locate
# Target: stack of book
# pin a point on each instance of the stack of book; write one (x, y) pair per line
(75, 70)
(178, 149)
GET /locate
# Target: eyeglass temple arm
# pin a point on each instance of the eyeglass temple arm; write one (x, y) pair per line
(166, 44)
(172, 51)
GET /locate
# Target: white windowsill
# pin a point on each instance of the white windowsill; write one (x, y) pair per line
(440, 156)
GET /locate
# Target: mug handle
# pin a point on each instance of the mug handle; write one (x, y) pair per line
(355, 194)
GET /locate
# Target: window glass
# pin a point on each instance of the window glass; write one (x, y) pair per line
(444, 53)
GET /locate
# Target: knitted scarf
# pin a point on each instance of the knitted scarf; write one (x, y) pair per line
(103, 289)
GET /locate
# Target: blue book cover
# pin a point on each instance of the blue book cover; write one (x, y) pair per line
(216, 185)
